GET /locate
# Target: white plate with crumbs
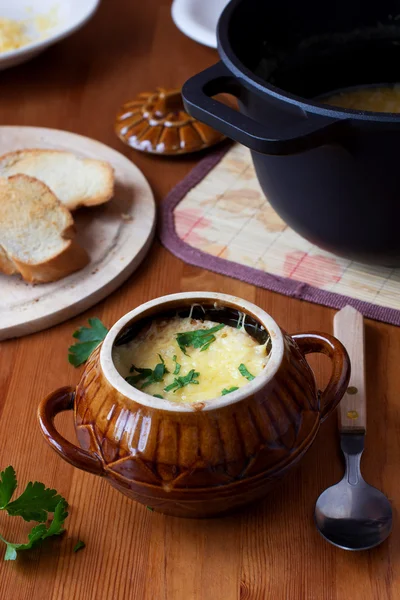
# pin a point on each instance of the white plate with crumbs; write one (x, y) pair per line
(116, 235)
(27, 27)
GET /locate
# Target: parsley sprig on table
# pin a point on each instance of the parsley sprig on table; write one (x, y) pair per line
(79, 546)
(200, 338)
(34, 504)
(89, 338)
(180, 382)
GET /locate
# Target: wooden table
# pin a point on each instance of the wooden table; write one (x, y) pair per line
(271, 551)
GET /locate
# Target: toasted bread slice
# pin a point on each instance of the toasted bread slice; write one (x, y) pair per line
(75, 181)
(36, 232)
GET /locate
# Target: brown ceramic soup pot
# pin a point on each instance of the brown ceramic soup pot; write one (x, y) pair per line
(208, 458)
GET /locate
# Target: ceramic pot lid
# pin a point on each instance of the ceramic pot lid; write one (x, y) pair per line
(156, 122)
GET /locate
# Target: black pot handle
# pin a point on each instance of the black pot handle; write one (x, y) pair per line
(309, 132)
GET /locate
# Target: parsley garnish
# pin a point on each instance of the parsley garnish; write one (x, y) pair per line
(34, 504)
(89, 338)
(149, 375)
(79, 546)
(201, 338)
(141, 374)
(177, 366)
(157, 375)
(243, 371)
(158, 396)
(226, 391)
(180, 382)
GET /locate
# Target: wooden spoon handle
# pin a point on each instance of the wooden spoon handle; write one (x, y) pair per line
(348, 326)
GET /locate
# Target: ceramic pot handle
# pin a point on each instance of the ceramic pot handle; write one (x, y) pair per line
(329, 345)
(56, 402)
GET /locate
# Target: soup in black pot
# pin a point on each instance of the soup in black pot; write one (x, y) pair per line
(385, 99)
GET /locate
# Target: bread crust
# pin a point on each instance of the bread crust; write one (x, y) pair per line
(69, 259)
(72, 259)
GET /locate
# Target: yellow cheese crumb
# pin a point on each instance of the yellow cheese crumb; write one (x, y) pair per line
(12, 35)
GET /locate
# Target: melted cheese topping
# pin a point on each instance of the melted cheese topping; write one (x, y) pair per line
(378, 99)
(217, 365)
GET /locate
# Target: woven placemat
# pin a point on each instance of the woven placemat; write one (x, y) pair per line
(218, 218)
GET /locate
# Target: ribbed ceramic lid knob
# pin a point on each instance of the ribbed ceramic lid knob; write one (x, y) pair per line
(156, 122)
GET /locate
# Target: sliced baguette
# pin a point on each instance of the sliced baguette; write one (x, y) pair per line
(75, 181)
(36, 232)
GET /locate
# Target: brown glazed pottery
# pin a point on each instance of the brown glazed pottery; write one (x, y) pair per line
(156, 122)
(204, 459)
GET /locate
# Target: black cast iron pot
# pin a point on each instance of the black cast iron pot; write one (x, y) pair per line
(332, 174)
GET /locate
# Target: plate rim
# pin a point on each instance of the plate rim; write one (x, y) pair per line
(200, 34)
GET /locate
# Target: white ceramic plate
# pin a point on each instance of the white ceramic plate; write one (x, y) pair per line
(116, 235)
(198, 19)
(45, 22)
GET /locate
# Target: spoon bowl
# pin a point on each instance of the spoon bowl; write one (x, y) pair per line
(352, 514)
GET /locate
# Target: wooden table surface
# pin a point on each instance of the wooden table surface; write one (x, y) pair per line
(270, 551)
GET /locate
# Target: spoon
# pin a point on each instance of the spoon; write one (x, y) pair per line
(352, 514)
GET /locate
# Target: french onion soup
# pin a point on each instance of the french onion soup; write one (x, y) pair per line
(384, 99)
(190, 359)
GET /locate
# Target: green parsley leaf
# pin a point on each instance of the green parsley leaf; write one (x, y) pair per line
(145, 372)
(226, 391)
(158, 396)
(150, 508)
(96, 332)
(148, 375)
(89, 338)
(200, 338)
(157, 375)
(34, 503)
(57, 524)
(79, 546)
(141, 374)
(39, 532)
(177, 366)
(180, 382)
(8, 485)
(243, 371)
